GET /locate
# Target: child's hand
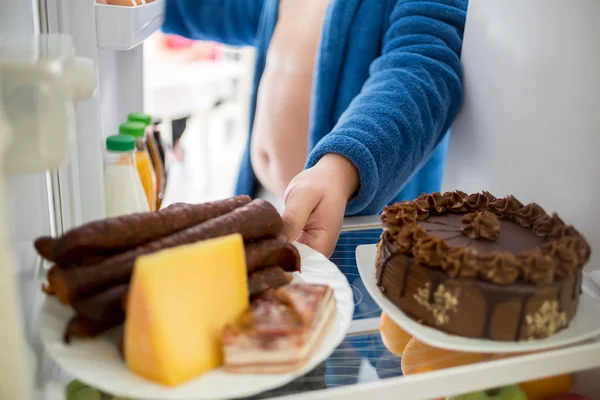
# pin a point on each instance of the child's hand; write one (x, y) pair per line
(315, 203)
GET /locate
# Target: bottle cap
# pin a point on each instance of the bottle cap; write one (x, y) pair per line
(120, 143)
(135, 129)
(140, 117)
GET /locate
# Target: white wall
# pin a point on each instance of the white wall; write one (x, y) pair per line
(531, 116)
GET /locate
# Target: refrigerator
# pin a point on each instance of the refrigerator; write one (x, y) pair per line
(528, 127)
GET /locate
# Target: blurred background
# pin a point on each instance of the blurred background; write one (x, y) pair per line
(201, 92)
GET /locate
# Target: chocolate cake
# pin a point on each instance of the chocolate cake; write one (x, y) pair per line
(481, 267)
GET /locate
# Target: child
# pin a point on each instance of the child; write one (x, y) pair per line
(351, 104)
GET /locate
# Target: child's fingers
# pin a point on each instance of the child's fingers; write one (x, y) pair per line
(319, 240)
(299, 205)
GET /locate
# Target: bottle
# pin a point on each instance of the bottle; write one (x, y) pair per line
(161, 150)
(154, 152)
(142, 159)
(123, 189)
(159, 142)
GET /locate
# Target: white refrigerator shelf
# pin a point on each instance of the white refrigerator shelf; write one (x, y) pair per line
(123, 28)
(474, 377)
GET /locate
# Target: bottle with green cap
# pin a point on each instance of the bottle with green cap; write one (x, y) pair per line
(154, 152)
(140, 117)
(137, 130)
(123, 190)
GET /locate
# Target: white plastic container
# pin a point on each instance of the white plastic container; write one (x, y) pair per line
(123, 190)
(123, 28)
(41, 78)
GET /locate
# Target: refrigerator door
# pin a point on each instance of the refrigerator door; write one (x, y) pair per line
(15, 360)
(39, 79)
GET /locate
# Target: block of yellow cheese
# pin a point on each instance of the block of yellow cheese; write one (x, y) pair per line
(179, 302)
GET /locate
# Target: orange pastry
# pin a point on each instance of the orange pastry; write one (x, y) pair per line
(394, 338)
(419, 357)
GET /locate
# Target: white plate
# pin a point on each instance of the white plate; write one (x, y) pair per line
(585, 325)
(98, 364)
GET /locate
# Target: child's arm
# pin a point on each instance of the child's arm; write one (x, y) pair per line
(403, 111)
(231, 22)
(406, 106)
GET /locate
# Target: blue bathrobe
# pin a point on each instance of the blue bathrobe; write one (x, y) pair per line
(387, 85)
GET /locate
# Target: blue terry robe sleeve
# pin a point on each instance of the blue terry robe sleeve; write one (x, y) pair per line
(231, 22)
(405, 108)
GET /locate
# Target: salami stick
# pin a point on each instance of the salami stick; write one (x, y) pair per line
(122, 233)
(268, 278)
(253, 221)
(45, 247)
(81, 327)
(104, 308)
(270, 253)
(121, 345)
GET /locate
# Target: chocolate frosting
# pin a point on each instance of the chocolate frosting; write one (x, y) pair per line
(481, 224)
(562, 252)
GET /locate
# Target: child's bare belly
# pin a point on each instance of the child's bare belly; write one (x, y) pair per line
(280, 134)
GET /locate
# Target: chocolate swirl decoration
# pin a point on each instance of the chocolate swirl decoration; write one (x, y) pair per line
(491, 198)
(505, 207)
(457, 201)
(437, 203)
(422, 207)
(537, 267)
(398, 215)
(545, 225)
(566, 258)
(556, 220)
(499, 268)
(481, 224)
(580, 247)
(460, 261)
(478, 201)
(408, 236)
(560, 257)
(430, 250)
(564, 231)
(527, 214)
(541, 225)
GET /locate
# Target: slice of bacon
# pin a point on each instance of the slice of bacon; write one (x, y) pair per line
(305, 300)
(280, 331)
